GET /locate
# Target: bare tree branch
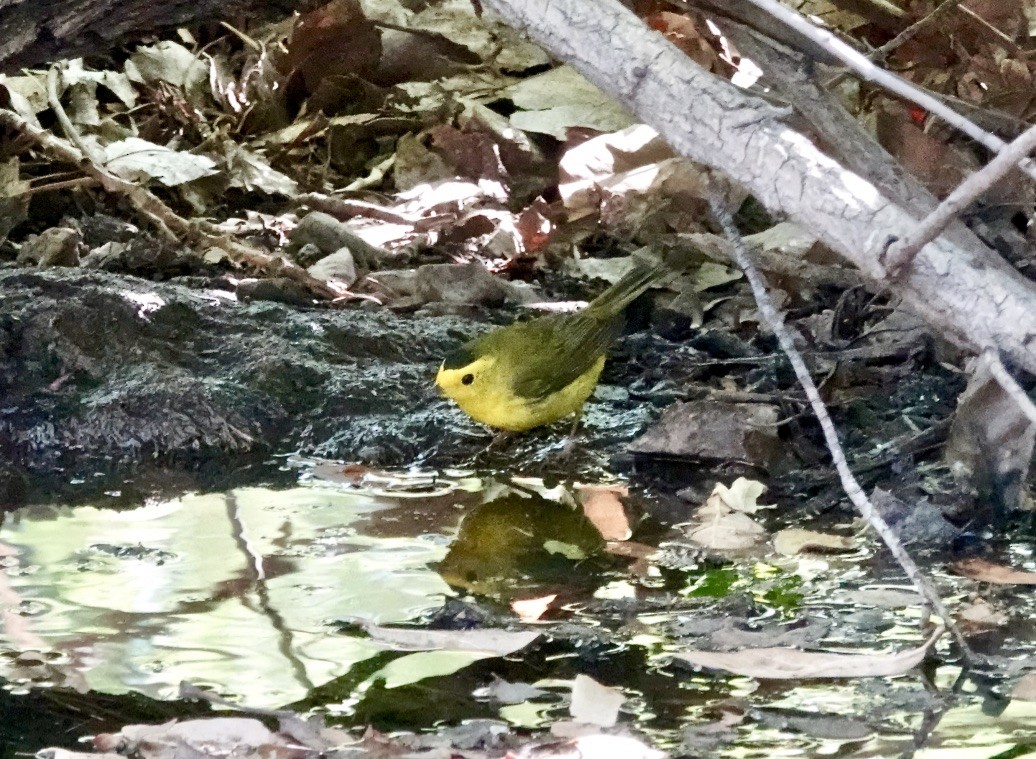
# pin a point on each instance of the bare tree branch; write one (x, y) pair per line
(866, 69)
(901, 253)
(964, 291)
(1007, 382)
(943, 9)
(849, 483)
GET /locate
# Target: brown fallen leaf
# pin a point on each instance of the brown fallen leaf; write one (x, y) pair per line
(602, 505)
(980, 614)
(796, 540)
(794, 664)
(630, 549)
(987, 571)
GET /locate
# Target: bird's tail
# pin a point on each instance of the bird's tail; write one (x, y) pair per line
(632, 284)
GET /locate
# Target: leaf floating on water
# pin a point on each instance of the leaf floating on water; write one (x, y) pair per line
(794, 664)
(596, 746)
(531, 609)
(796, 540)
(987, 571)
(603, 507)
(723, 522)
(197, 737)
(504, 692)
(593, 703)
(728, 532)
(980, 614)
(1025, 689)
(495, 642)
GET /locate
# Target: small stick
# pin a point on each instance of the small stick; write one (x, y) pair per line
(942, 9)
(66, 184)
(865, 68)
(849, 483)
(901, 253)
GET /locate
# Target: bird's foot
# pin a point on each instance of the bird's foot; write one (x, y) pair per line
(500, 439)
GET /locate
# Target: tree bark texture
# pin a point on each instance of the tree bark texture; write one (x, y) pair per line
(964, 290)
(37, 32)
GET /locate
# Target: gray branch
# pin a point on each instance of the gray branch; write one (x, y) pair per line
(964, 291)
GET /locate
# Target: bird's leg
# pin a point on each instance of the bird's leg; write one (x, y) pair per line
(499, 439)
(570, 441)
(575, 423)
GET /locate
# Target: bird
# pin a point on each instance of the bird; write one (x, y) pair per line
(536, 372)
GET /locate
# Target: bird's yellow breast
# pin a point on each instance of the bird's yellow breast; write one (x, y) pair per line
(488, 397)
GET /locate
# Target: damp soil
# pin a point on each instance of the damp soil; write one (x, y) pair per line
(101, 374)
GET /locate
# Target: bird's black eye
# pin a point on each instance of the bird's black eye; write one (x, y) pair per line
(467, 379)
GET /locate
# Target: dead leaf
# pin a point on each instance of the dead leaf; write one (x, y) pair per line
(332, 43)
(1025, 689)
(981, 614)
(728, 532)
(795, 540)
(554, 101)
(531, 609)
(250, 171)
(630, 549)
(495, 642)
(714, 431)
(603, 507)
(198, 737)
(504, 692)
(883, 598)
(939, 165)
(794, 664)
(592, 746)
(593, 703)
(987, 571)
(742, 495)
(139, 160)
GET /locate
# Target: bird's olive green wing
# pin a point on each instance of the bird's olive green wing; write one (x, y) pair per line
(552, 352)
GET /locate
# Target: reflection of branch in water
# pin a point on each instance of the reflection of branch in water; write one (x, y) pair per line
(254, 562)
(931, 717)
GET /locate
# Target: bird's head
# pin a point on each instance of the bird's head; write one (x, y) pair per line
(463, 376)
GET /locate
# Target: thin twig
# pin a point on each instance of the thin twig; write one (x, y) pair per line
(1007, 382)
(66, 184)
(945, 8)
(900, 253)
(849, 483)
(1002, 38)
(54, 99)
(866, 69)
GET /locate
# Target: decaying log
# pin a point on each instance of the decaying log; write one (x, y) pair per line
(37, 32)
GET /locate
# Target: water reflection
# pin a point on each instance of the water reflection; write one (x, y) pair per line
(236, 590)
